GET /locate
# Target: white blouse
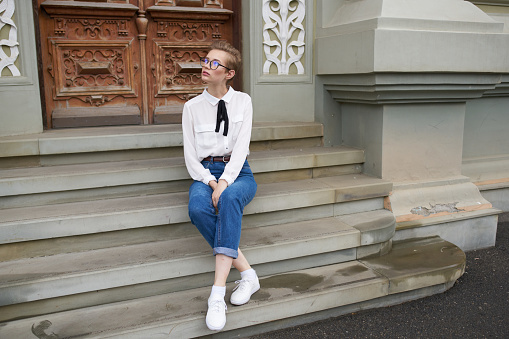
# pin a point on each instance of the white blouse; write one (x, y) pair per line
(201, 140)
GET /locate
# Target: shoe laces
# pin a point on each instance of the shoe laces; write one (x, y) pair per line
(242, 284)
(217, 306)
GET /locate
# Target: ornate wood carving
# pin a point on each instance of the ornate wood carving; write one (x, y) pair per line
(188, 31)
(84, 28)
(191, 3)
(83, 69)
(214, 3)
(165, 3)
(182, 37)
(142, 26)
(101, 56)
(181, 70)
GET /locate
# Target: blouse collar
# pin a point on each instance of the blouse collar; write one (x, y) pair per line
(213, 100)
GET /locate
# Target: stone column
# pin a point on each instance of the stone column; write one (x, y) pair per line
(486, 141)
(20, 111)
(400, 73)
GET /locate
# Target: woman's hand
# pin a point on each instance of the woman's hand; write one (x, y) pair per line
(218, 190)
(213, 184)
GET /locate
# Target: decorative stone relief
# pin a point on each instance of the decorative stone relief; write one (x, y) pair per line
(7, 61)
(283, 35)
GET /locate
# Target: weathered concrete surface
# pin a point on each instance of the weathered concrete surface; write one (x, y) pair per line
(73, 273)
(182, 314)
(282, 296)
(472, 231)
(412, 265)
(452, 208)
(375, 226)
(30, 223)
(479, 296)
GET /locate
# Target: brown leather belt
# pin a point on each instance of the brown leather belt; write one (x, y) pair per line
(226, 158)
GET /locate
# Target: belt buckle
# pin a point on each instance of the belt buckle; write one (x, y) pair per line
(224, 160)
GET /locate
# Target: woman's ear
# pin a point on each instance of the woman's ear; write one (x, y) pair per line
(230, 75)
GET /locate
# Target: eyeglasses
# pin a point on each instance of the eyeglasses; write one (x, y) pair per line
(213, 64)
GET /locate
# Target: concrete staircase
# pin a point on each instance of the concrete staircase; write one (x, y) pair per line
(96, 241)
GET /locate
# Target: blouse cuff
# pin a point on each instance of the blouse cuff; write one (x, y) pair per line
(208, 179)
(227, 179)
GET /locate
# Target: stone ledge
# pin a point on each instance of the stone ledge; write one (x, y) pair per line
(409, 87)
(44, 222)
(102, 139)
(96, 175)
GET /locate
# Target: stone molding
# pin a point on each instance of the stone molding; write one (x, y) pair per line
(491, 2)
(402, 88)
(502, 88)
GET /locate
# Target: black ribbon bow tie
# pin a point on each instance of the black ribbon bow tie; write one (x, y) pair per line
(222, 116)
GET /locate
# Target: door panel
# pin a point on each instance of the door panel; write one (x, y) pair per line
(118, 62)
(180, 37)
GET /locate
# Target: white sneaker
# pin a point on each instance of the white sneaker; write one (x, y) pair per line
(216, 314)
(244, 290)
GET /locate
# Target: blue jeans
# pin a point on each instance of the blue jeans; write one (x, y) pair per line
(221, 230)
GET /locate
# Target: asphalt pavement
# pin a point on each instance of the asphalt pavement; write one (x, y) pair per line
(477, 306)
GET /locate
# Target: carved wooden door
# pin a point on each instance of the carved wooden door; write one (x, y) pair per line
(124, 62)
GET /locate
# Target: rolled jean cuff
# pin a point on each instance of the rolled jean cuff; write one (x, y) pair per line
(226, 251)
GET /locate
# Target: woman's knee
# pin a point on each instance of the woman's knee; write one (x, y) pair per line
(198, 205)
(193, 210)
(230, 197)
(241, 194)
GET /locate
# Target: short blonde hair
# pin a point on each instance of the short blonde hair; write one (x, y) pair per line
(235, 60)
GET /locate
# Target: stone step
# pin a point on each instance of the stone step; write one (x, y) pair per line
(72, 273)
(412, 269)
(36, 180)
(124, 237)
(87, 144)
(72, 219)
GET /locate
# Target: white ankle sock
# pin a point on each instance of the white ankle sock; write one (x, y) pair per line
(218, 291)
(249, 274)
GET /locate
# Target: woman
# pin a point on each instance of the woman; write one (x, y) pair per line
(216, 129)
